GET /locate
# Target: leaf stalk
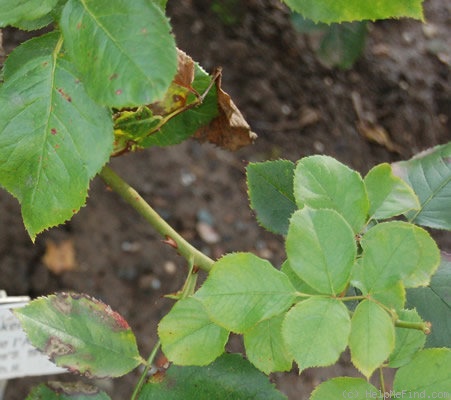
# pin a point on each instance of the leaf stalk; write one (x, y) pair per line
(425, 327)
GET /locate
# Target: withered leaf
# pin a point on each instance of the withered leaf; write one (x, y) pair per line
(177, 94)
(370, 129)
(229, 129)
(185, 69)
(379, 135)
(59, 257)
(132, 126)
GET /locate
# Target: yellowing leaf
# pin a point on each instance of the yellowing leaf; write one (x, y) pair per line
(177, 95)
(132, 126)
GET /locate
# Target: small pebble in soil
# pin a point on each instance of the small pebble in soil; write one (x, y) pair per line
(170, 267)
(286, 109)
(149, 282)
(204, 215)
(319, 146)
(187, 178)
(130, 247)
(207, 233)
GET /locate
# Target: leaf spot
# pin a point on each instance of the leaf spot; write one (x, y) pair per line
(113, 76)
(118, 91)
(118, 319)
(61, 303)
(64, 94)
(55, 347)
(73, 388)
(53, 131)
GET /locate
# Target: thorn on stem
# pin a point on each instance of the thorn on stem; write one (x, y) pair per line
(171, 242)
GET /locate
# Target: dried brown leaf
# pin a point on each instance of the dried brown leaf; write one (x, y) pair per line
(377, 134)
(185, 69)
(177, 95)
(59, 257)
(369, 129)
(229, 129)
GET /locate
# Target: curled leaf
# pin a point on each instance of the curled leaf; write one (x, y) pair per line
(132, 126)
(229, 129)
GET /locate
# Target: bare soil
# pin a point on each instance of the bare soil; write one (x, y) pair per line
(400, 87)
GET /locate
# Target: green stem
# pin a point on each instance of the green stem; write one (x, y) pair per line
(140, 383)
(381, 378)
(188, 289)
(425, 327)
(132, 197)
(351, 298)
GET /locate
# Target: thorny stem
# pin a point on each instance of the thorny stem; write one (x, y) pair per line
(190, 253)
(131, 196)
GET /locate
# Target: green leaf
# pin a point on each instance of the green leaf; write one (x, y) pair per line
(81, 334)
(407, 341)
(429, 174)
(394, 251)
(308, 334)
(243, 290)
(323, 182)
(124, 50)
(136, 124)
(272, 180)
(54, 138)
(372, 337)
(265, 347)
(356, 10)
(230, 377)
(185, 124)
(43, 21)
(296, 281)
(343, 44)
(345, 388)
(161, 3)
(35, 23)
(393, 297)
(388, 194)
(427, 376)
(66, 391)
(188, 337)
(13, 11)
(321, 249)
(305, 25)
(433, 303)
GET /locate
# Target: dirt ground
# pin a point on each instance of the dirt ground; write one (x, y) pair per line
(297, 107)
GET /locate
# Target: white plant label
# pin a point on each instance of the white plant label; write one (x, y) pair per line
(18, 357)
